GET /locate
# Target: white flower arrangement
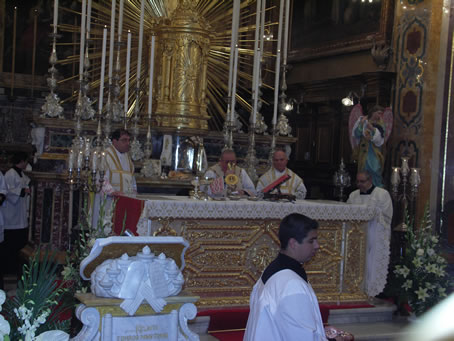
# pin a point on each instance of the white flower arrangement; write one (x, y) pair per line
(421, 273)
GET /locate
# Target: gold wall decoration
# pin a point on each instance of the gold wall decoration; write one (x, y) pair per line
(182, 55)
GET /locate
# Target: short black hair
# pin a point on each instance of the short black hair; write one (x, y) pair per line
(19, 157)
(365, 173)
(296, 226)
(118, 133)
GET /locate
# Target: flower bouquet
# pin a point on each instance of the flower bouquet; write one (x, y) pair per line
(421, 274)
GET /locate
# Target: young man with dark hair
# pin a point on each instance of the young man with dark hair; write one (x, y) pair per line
(283, 305)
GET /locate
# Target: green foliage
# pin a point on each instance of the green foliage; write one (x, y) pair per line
(420, 276)
(85, 241)
(35, 308)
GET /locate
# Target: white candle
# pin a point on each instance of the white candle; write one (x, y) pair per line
(233, 41)
(259, 23)
(71, 159)
(112, 39)
(256, 46)
(286, 23)
(55, 15)
(150, 84)
(89, 18)
(128, 64)
(82, 38)
(278, 64)
(80, 157)
(103, 66)
(87, 147)
(102, 166)
(139, 53)
(120, 20)
(94, 161)
(235, 73)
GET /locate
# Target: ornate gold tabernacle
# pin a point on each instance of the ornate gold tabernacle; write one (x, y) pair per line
(181, 68)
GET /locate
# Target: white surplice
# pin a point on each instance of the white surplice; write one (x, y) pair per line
(378, 238)
(284, 309)
(15, 207)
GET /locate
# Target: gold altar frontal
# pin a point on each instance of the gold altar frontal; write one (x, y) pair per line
(227, 256)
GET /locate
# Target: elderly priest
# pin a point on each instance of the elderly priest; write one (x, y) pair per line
(294, 185)
(219, 172)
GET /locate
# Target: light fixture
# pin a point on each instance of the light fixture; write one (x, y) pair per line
(348, 100)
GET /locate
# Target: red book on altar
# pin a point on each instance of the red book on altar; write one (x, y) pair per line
(276, 183)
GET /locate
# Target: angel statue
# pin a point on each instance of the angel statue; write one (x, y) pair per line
(367, 136)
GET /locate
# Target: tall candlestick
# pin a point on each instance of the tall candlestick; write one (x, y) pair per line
(82, 38)
(128, 64)
(103, 66)
(256, 45)
(139, 53)
(278, 63)
(150, 84)
(55, 15)
(235, 73)
(112, 39)
(287, 13)
(120, 20)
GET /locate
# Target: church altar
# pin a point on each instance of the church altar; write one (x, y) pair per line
(232, 241)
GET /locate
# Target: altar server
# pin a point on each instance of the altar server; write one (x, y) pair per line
(293, 186)
(225, 166)
(119, 167)
(378, 233)
(283, 305)
(15, 209)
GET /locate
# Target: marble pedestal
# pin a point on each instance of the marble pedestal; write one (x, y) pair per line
(104, 320)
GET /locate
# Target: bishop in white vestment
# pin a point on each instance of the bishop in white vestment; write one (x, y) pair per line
(294, 186)
(378, 233)
(227, 165)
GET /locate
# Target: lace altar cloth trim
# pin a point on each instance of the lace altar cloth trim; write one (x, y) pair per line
(183, 207)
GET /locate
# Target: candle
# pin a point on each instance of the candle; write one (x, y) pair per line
(71, 159)
(150, 84)
(102, 166)
(112, 39)
(233, 99)
(13, 62)
(120, 20)
(233, 42)
(278, 64)
(395, 177)
(94, 161)
(80, 157)
(139, 53)
(55, 16)
(82, 39)
(87, 147)
(88, 18)
(128, 63)
(103, 66)
(286, 23)
(415, 179)
(405, 168)
(256, 46)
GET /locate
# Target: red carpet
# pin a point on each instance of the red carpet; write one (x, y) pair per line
(229, 324)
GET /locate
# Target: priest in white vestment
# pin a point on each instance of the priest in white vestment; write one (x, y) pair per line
(283, 305)
(293, 186)
(378, 233)
(119, 166)
(225, 166)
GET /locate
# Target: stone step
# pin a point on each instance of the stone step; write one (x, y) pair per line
(380, 312)
(376, 331)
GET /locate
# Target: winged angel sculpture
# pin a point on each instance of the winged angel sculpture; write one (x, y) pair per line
(368, 133)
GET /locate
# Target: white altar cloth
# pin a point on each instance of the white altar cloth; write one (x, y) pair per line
(184, 208)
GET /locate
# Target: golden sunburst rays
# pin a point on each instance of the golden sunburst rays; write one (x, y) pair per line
(216, 13)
